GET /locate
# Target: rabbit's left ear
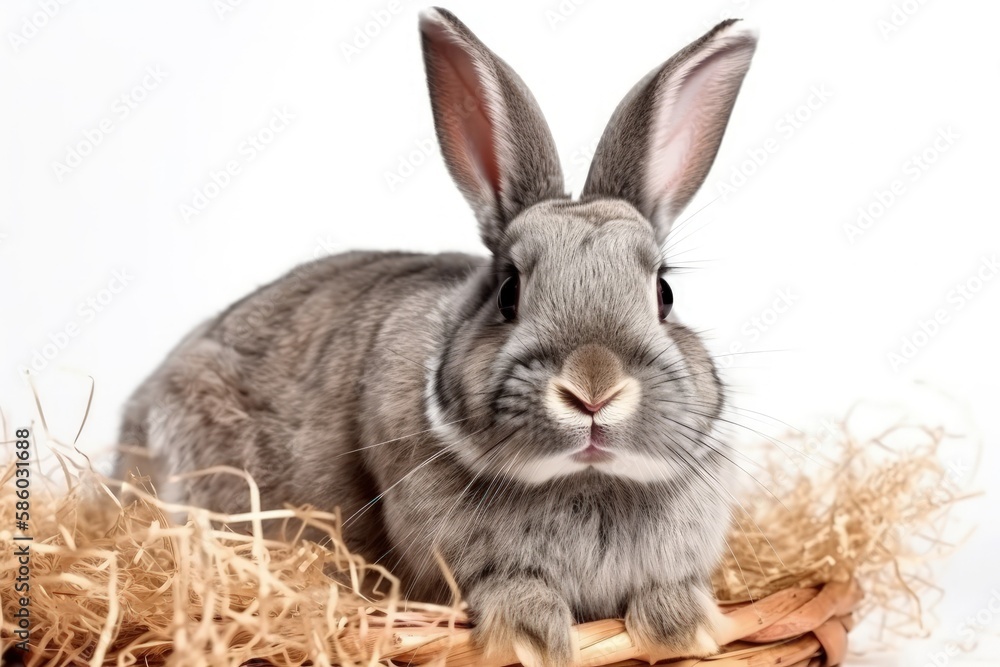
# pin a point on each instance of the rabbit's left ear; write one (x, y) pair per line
(494, 138)
(663, 137)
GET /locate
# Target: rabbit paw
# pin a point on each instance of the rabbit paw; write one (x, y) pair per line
(673, 620)
(523, 618)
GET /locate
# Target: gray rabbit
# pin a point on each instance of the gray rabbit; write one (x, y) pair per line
(538, 417)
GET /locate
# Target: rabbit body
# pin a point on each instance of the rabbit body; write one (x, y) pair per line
(275, 385)
(537, 418)
(300, 383)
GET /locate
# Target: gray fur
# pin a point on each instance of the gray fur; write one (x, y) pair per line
(388, 384)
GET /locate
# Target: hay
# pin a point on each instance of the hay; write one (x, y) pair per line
(123, 585)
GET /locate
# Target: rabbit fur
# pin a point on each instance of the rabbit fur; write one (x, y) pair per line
(391, 385)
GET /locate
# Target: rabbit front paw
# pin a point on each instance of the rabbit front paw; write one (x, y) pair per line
(668, 620)
(522, 616)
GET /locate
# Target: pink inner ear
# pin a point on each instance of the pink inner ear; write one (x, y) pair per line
(468, 128)
(691, 113)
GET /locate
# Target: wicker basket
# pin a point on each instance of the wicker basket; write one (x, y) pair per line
(796, 627)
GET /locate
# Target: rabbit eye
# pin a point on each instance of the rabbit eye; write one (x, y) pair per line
(507, 298)
(664, 297)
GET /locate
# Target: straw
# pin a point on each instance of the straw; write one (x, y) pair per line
(115, 584)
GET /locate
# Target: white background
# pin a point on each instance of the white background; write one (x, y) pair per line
(841, 99)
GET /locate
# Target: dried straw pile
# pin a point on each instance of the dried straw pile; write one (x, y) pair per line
(115, 585)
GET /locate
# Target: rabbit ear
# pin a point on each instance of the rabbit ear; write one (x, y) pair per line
(494, 138)
(662, 139)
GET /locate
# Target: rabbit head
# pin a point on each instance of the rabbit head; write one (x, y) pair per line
(564, 355)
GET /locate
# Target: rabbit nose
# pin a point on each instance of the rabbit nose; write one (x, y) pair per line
(592, 387)
(576, 398)
(570, 404)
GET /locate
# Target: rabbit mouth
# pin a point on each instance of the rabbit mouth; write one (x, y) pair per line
(594, 452)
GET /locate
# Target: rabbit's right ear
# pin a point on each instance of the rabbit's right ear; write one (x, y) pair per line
(494, 139)
(663, 137)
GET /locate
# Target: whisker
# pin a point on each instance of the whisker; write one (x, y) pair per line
(408, 359)
(758, 433)
(672, 240)
(707, 437)
(705, 477)
(737, 501)
(430, 459)
(493, 450)
(410, 435)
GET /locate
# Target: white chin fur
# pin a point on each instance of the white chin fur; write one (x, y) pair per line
(637, 467)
